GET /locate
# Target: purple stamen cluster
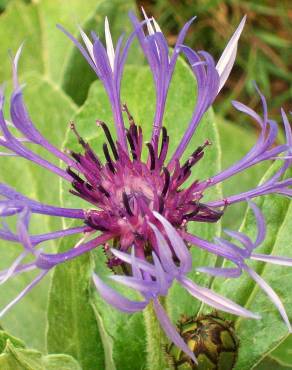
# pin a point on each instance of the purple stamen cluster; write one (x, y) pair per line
(136, 205)
(125, 191)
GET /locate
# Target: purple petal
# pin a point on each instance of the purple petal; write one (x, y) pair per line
(271, 293)
(171, 331)
(22, 230)
(115, 299)
(179, 41)
(22, 121)
(136, 272)
(37, 239)
(226, 251)
(161, 277)
(226, 61)
(7, 274)
(19, 269)
(227, 244)
(276, 260)
(288, 130)
(136, 284)
(37, 207)
(247, 110)
(48, 261)
(23, 293)
(215, 300)
(165, 254)
(143, 265)
(239, 236)
(261, 225)
(79, 46)
(177, 243)
(220, 271)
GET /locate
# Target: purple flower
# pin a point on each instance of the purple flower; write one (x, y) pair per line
(135, 205)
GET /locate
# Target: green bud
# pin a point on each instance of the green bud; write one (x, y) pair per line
(213, 341)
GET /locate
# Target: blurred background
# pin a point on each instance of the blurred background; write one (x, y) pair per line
(265, 46)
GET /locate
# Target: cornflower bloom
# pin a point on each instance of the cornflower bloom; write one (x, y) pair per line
(134, 203)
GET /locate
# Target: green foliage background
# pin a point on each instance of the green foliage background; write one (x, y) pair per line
(62, 323)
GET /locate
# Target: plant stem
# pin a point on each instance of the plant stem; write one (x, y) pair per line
(156, 341)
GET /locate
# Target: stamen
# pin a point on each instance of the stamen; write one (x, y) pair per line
(152, 156)
(80, 140)
(132, 145)
(90, 222)
(164, 145)
(103, 191)
(127, 204)
(195, 157)
(85, 145)
(193, 213)
(109, 138)
(93, 157)
(164, 138)
(134, 132)
(108, 158)
(166, 181)
(76, 156)
(74, 175)
(161, 204)
(88, 186)
(130, 117)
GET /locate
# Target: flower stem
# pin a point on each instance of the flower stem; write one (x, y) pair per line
(156, 340)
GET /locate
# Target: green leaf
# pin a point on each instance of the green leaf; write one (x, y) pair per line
(270, 363)
(284, 351)
(4, 337)
(60, 362)
(258, 338)
(14, 358)
(72, 326)
(18, 23)
(50, 110)
(47, 50)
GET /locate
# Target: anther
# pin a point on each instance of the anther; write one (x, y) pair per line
(109, 138)
(74, 175)
(80, 140)
(161, 205)
(132, 145)
(166, 181)
(76, 156)
(130, 117)
(164, 140)
(108, 158)
(152, 156)
(103, 191)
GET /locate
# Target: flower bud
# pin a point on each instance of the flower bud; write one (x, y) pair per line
(211, 338)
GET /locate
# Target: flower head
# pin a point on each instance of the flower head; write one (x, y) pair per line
(136, 204)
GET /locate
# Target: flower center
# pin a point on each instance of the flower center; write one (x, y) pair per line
(125, 190)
